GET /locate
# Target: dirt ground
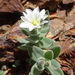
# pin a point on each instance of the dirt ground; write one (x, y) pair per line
(62, 29)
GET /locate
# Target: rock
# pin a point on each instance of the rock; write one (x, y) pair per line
(70, 19)
(9, 40)
(33, 3)
(61, 14)
(10, 11)
(70, 22)
(56, 26)
(6, 56)
(9, 18)
(4, 28)
(28, 4)
(72, 12)
(9, 45)
(11, 6)
(68, 1)
(46, 4)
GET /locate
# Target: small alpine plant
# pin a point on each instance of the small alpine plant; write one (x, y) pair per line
(42, 50)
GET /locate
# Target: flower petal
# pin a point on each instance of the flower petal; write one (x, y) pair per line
(27, 25)
(38, 26)
(41, 15)
(29, 11)
(36, 12)
(22, 25)
(24, 14)
(29, 14)
(45, 17)
(42, 12)
(44, 22)
(25, 18)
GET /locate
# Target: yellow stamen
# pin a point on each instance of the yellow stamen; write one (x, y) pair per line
(34, 22)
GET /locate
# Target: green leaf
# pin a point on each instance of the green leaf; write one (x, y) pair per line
(54, 65)
(48, 19)
(25, 31)
(47, 12)
(45, 27)
(46, 43)
(44, 31)
(22, 47)
(56, 51)
(3, 72)
(30, 52)
(41, 62)
(33, 39)
(22, 40)
(56, 72)
(37, 52)
(33, 57)
(35, 70)
(34, 32)
(49, 55)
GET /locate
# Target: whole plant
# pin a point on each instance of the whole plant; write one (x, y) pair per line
(42, 50)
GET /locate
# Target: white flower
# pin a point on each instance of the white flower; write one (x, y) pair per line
(33, 19)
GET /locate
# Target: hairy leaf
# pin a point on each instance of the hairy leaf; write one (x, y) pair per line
(37, 52)
(35, 70)
(46, 43)
(54, 65)
(56, 51)
(22, 40)
(49, 55)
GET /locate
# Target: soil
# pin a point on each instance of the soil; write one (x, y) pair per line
(62, 29)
